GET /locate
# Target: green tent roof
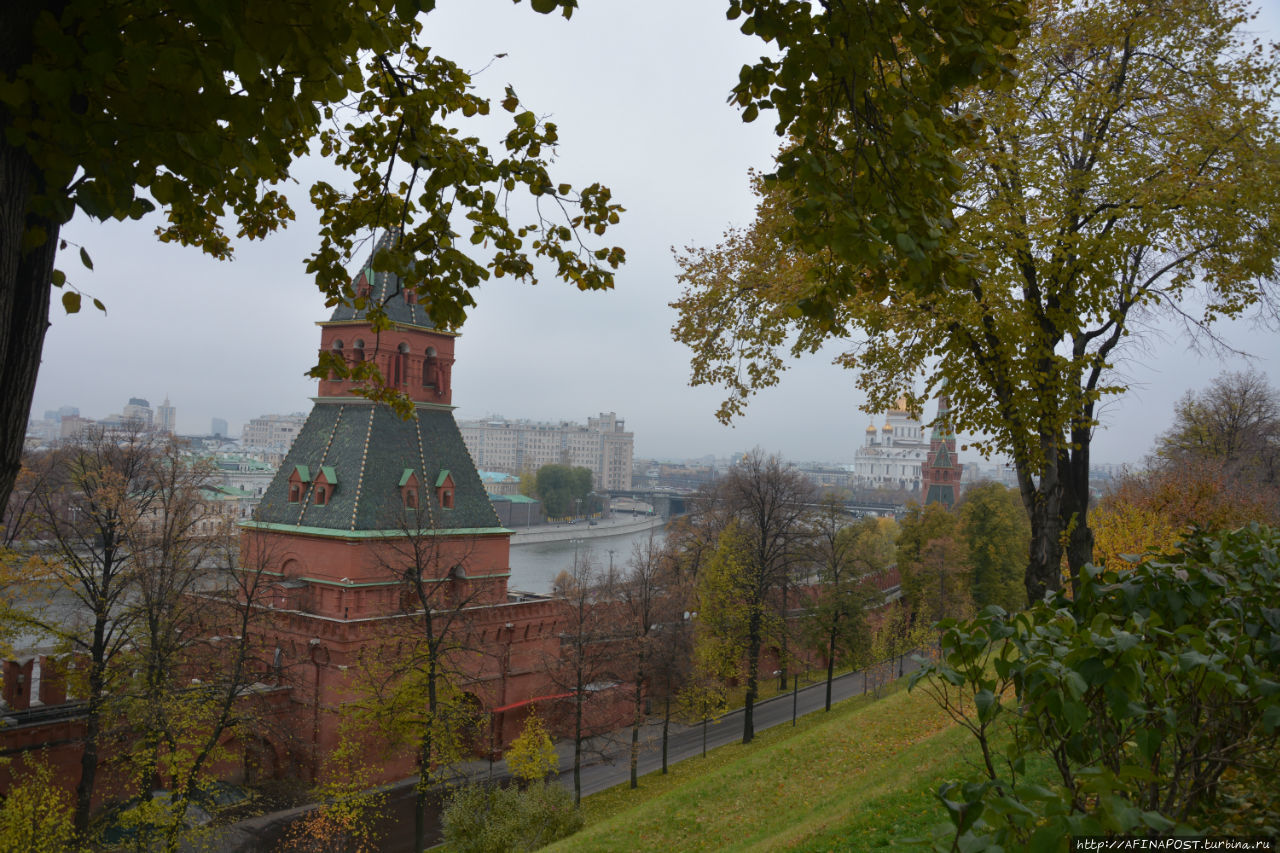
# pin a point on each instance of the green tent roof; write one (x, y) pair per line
(370, 449)
(385, 288)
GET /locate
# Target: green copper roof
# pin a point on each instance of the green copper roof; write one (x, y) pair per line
(368, 448)
(444, 475)
(944, 494)
(329, 474)
(942, 459)
(405, 476)
(304, 473)
(385, 288)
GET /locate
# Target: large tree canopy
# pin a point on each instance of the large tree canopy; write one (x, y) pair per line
(122, 107)
(1130, 166)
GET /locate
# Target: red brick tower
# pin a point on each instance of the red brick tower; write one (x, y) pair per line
(941, 471)
(360, 482)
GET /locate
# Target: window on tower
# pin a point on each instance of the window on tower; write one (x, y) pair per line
(400, 365)
(337, 350)
(429, 368)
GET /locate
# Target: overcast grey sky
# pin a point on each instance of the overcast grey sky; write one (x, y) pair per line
(638, 89)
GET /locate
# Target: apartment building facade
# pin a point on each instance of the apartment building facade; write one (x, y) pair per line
(602, 445)
(272, 432)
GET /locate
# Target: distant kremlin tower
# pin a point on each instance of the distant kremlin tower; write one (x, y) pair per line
(942, 469)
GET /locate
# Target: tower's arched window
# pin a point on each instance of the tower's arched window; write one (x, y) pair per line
(400, 365)
(429, 368)
(357, 350)
(337, 350)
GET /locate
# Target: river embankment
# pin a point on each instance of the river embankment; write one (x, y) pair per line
(604, 528)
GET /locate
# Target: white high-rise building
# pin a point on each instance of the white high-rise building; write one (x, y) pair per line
(166, 417)
(272, 432)
(604, 446)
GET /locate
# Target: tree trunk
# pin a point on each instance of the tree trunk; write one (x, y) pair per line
(25, 274)
(831, 663)
(783, 650)
(577, 747)
(92, 733)
(635, 733)
(1043, 501)
(635, 754)
(1075, 509)
(420, 799)
(424, 754)
(753, 676)
(666, 727)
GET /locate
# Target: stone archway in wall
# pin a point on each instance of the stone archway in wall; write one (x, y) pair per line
(260, 761)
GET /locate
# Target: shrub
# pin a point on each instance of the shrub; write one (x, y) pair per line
(1155, 698)
(481, 819)
(532, 756)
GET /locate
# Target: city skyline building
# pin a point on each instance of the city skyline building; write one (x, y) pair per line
(138, 410)
(272, 432)
(166, 417)
(603, 445)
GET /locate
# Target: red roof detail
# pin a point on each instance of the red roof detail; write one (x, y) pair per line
(524, 702)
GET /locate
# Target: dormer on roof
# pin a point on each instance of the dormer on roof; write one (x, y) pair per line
(409, 488)
(445, 489)
(325, 484)
(299, 478)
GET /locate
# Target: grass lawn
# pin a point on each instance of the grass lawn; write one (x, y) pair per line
(854, 779)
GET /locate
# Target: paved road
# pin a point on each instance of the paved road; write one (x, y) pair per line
(608, 766)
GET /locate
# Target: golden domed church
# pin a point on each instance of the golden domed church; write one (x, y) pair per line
(892, 457)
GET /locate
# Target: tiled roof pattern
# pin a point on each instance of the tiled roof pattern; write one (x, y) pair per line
(384, 288)
(942, 459)
(369, 448)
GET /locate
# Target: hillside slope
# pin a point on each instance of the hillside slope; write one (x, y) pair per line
(851, 780)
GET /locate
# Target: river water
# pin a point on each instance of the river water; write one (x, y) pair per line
(534, 566)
